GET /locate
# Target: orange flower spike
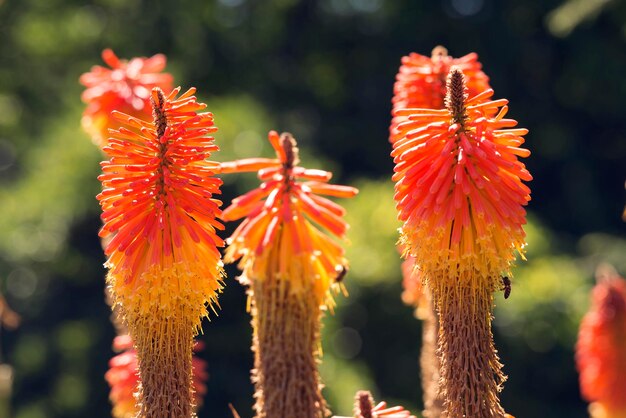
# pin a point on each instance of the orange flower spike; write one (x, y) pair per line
(421, 82)
(290, 263)
(283, 206)
(601, 347)
(157, 188)
(459, 187)
(460, 195)
(164, 265)
(124, 87)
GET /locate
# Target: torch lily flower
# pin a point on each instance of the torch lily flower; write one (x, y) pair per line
(421, 82)
(601, 347)
(123, 377)
(164, 267)
(290, 266)
(459, 187)
(278, 237)
(124, 87)
(461, 199)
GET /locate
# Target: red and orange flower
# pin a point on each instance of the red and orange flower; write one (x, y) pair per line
(158, 200)
(461, 197)
(290, 262)
(279, 235)
(459, 188)
(421, 82)
(601, 347)
(124, 87)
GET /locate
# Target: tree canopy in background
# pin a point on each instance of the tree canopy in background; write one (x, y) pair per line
(323, 70)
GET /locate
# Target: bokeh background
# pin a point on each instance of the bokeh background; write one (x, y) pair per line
(323, 70)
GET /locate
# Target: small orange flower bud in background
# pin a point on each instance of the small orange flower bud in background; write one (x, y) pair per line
(290, 264)
(364, 407)
(601, 347)
(124, 87)
(461, 199)
(421, 82)
(164, 265)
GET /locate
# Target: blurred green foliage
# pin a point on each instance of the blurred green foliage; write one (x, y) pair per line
(323, 70)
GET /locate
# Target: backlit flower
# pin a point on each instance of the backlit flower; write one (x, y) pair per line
(459, 187)
(601, 347)
(124, 87)
(164, 267)
(461, 198)
(123, 377)
(288, 222)
(421, 82)
(289, 262)
(157, 199)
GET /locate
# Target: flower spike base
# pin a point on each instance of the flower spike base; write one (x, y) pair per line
(286, 348)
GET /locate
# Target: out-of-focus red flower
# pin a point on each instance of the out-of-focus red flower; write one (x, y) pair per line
(123, 377)
(421, 82)
(124, 87)
(601, 347)
(284, 232)
(413, 293)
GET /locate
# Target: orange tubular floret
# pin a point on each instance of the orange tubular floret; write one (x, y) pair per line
(286, 215)
(246, 165)
(459, 188)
